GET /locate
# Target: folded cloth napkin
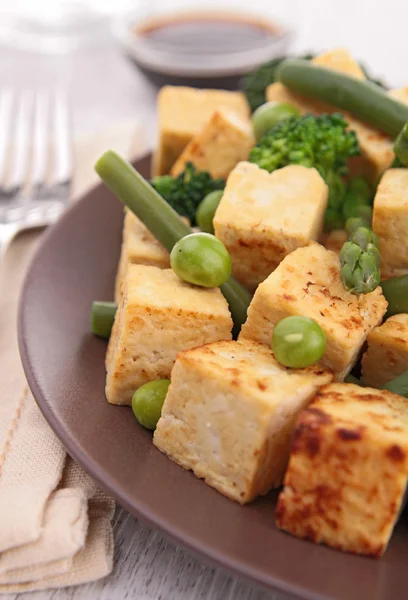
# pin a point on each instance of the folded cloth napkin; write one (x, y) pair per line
(55, 523)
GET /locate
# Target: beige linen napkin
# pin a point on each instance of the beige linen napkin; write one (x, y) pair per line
(55, 524)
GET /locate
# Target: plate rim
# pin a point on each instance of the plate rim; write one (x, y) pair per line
(205, 551)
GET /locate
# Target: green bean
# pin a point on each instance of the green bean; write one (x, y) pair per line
(395, 291)
(362, 99)
(162, 221)
(102, 318)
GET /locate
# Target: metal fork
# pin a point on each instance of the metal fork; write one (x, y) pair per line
(35, 160)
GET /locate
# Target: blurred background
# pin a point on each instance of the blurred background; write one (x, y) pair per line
(86, 47)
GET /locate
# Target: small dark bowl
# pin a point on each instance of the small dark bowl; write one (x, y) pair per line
(206, 66)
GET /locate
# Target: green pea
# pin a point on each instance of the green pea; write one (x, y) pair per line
(206, 211)
(269, 114)
(298, 342)
(360, 186)
(201, 259)
(147, 402)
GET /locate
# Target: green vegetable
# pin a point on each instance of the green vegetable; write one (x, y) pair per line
(355, 223)
(398, 385)
(360, 186)
(351, 379)
(162, 221)
(102, 318)
(147, 402)
(322, 142)
(395, 291)
(201, 259)
(298, 342)
(357, 199)
(360, 260)
(401, 146)
(270, 114)
(362, 99)
(185, 192)
(255, 83)
(206, 211)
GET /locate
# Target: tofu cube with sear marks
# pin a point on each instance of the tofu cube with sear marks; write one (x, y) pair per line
(263, 216)
(348, 469)
(229, 415)
(390, 222)
(182, 114)
(223, 142)
(376, 147)
(387, 353)
(158, 316)
(307, 283)
(139, 246)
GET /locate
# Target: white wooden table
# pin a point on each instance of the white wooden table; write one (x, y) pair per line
(105, 88)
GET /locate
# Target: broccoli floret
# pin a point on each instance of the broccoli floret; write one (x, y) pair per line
(185, 192)
(254, 84)
(322, 142)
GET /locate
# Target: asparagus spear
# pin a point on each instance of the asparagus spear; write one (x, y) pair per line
(360, 259)
(102, 317)
(162, 221)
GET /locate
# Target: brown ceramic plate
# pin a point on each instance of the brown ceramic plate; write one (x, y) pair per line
(64, 364)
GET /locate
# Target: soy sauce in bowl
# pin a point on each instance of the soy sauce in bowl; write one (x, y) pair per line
(204, 49)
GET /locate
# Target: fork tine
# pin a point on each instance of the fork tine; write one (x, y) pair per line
(40, 139)
(21, 149)
(6, 112)
(62, 147)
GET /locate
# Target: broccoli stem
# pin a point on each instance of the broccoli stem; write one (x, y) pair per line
(162, 221)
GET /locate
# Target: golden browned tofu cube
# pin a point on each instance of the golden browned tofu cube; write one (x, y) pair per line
(376, 147)
(387, 353)
(347, 470)
(390, 221)
(139, 246)
(307, 283)
(229, 415)
(223, 142)
(182, 114)
(158, 316)
(263, 216)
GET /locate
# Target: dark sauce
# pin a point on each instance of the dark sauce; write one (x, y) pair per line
(203, 35)
(208, 33)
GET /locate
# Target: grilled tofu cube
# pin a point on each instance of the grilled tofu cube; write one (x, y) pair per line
(376, 147)
(307, 283)
(223, 142)
(158, 316)
(139, 246)
(347, 470)
(390, 221)
(182, 114)
(263, 216)
(387, 353)
(229, 415)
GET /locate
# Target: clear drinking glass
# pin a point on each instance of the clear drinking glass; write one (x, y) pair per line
(58, 26)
